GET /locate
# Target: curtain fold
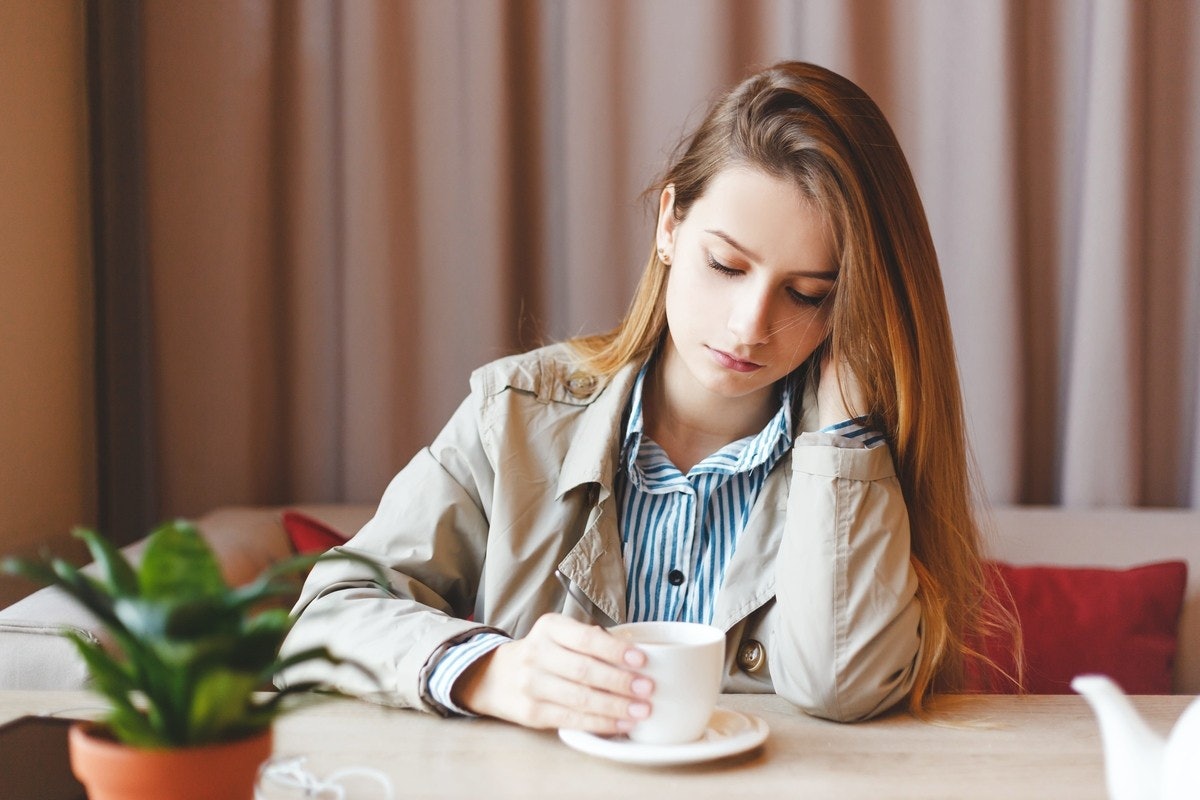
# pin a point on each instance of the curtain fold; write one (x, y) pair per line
(352, 205)
(1172, 255)
(308, 271)
(1105, 297)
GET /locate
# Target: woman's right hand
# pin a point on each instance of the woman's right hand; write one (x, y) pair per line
(563, 674)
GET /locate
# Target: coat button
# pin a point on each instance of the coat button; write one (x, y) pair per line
(752, 656)
(581, 384)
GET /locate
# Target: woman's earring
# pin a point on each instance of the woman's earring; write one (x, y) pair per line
(663, 257)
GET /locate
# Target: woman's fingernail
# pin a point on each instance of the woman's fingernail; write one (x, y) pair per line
(635, 658)
(639, 710)
(642, 687)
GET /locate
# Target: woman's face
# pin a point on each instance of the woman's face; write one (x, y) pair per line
(750, 267)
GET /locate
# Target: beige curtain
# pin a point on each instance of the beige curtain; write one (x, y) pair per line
(353, 204)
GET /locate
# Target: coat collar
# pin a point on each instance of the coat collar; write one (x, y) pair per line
(592, 455)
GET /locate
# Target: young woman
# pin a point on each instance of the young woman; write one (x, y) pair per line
(771, 442)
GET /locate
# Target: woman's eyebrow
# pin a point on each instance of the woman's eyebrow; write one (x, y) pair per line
(825, 275)
(734, 244)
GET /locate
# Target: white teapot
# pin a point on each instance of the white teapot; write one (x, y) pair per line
(1138, 763)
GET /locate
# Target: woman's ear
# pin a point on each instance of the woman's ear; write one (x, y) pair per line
(664, 233)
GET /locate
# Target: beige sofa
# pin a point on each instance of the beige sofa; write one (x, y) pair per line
(32, 656)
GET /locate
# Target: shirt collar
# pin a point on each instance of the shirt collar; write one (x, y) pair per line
(633, 429)
(766, 446)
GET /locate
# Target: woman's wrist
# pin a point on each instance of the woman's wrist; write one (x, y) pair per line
(466, 691)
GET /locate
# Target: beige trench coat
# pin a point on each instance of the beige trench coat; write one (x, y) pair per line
(818, 601)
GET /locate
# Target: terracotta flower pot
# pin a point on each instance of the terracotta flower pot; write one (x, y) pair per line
(113, 771)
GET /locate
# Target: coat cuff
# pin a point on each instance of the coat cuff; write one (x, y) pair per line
(815, 455)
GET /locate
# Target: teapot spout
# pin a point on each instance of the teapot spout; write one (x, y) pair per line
(1133, 753)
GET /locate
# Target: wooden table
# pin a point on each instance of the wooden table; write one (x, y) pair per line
(970, 747)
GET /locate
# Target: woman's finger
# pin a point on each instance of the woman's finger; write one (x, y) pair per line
(585, 701)
(590, 640)
(592, 658)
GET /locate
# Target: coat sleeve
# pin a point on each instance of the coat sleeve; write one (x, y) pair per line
(849, 623)
(429, 534)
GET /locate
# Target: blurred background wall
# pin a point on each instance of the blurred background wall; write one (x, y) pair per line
(251, 249)
(48, 469)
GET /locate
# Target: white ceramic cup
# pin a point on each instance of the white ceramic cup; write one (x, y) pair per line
(685, 660)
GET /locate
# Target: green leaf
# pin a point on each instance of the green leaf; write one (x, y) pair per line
(296, 565)
(90, 593)
(273, 705)
(280, 579)
(36, 571)
(219, 704)
(116, 570)
(166, 690)
(273, 619)
(117, 684)
(259, 643)
(110, 677)
(132, 727)
(144, 619)
(55, 572)
(196, 655)
(315, 654)
(204, 616)
(179, 564)
(258, 590)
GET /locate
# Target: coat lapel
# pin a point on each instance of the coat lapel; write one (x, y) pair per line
(750, 576)
(595, 563)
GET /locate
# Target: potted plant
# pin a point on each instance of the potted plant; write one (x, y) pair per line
(183, 691)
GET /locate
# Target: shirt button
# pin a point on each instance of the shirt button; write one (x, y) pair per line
(752, 656)
(675, 577)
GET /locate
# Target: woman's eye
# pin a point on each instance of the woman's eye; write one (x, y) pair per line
(806, 299)
(797, 297)
(721, 268)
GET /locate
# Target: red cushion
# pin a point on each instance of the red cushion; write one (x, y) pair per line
(1074, 620)
(309, 535)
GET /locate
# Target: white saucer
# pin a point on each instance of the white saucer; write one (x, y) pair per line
(728, 733)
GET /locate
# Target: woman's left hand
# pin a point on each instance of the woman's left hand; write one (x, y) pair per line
(839, 395)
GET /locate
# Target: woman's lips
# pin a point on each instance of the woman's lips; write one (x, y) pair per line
(730, 362)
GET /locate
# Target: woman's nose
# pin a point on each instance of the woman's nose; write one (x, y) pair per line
(749, 319)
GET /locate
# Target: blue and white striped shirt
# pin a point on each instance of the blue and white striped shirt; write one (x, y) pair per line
(678, 531)
(684, 528)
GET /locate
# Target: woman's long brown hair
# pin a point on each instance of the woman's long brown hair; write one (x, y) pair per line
(889, 320)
